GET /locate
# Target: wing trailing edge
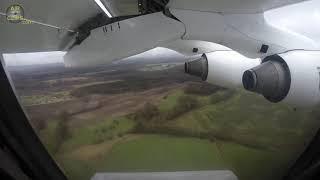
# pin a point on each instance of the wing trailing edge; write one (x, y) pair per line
(123, 39)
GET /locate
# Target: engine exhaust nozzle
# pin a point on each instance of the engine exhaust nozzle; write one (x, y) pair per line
(198, 67)
(271, 79)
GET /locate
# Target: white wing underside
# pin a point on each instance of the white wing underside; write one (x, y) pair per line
(70, 14)
(194, 47)
(230, 6)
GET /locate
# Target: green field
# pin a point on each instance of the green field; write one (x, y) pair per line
(237, 131)
(143, 153)
(163, 153)
(168, 153)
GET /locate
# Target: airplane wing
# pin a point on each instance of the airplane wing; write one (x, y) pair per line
(53, 20)
(78, 26)
(122, 39)
(230, 6)
(194, 47)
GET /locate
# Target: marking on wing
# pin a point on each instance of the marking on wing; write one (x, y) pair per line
(112, 28)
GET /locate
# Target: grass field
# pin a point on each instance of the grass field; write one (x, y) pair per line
(192, 125)
(134, 153)
(168, 153)
(163, 153)
(248, 119)
(253, 138)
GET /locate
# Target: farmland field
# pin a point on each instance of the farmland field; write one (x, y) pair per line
(151, 117)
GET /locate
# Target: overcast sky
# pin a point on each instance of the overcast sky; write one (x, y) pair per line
(21, 59)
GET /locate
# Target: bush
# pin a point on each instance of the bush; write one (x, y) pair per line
(184, 104)
(98, 140)
(150, 117)
(147, 113)
(221, 96)
(64, 116)
(110, 137)
(38, 124)
(62, 131)
(187, 103)
(120, 135)
(146, 117)
(203, 89)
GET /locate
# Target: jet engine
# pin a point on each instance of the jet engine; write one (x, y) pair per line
(292, 77)
(222, 68)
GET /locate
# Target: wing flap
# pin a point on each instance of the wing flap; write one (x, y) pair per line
(20, 38)
(123, 39)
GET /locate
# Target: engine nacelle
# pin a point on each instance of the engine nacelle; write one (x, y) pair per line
(292, 77)
(222, 68)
